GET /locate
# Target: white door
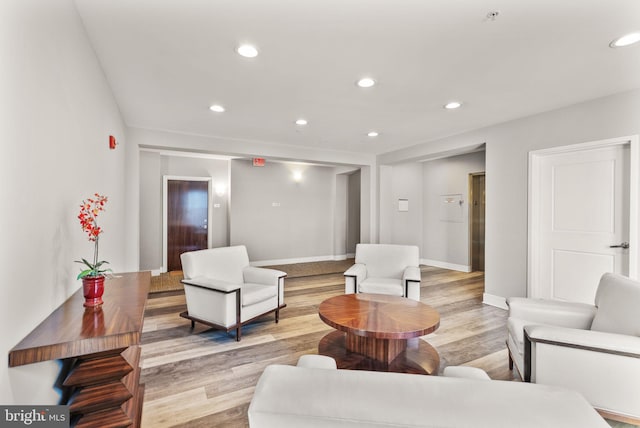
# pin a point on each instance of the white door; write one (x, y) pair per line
(582, 210)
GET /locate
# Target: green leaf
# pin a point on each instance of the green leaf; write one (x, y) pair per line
(84, 273)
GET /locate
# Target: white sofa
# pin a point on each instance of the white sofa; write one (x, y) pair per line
(304, 396)
(593, 349)
(385, 269)
(222, 290)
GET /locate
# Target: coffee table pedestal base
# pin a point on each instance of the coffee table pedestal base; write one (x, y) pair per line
(417, 357)
(383, 350)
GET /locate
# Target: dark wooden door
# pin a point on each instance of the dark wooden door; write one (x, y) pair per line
(187, 214)
(477, 222)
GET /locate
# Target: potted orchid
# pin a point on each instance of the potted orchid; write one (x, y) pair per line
(93, 275)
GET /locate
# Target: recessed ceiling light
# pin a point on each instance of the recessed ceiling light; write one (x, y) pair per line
(366, 82)
(625, 40)
(247, 51)
(217, 108)
(452, 105)
(301, 122)
(372, 134)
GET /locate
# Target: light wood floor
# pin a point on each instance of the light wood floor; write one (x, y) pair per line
(205, 378)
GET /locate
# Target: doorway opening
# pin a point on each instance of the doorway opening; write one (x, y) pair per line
(186, 218)
(476, 220)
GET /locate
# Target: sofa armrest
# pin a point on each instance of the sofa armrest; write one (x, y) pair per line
(552, 312)
(354, 276)
(411, 282)
(213, 284)
(589, 340)
(411, 273)
(258, 275)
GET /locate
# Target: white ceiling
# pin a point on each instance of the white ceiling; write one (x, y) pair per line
(168, 60)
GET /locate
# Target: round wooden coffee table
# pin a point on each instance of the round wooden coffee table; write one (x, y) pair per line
(379, 332)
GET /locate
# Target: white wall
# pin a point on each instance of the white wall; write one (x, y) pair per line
(340, 215)
(153, 167)
(57, 113)
(150, 211)
(300, 227)
(445, 242)
(353, 212)
(404, 181)
(507, 148)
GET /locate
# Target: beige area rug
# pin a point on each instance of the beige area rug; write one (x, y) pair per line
(170, 281)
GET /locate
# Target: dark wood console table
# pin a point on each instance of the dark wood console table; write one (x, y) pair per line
(101, 349)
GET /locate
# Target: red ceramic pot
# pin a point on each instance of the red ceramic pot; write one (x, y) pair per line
(93, 288)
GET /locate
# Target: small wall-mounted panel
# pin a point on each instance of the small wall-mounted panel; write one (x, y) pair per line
(451, 208)
(403, 204)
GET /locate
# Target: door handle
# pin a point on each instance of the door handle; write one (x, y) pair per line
(624, 245)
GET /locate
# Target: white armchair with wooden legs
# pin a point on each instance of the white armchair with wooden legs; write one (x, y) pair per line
(593, 349)
(223, 291)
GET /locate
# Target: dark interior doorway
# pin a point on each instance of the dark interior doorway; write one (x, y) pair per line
(477, 214)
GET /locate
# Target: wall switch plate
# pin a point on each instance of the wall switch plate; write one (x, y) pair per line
(275, 204)
(216, 205)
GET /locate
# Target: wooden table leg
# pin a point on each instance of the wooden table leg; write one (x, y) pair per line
(419, 357)
(383, 350)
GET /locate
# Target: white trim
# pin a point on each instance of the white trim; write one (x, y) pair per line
(634, 207)
(351, 255)
(446, 265)
(165, 231)
(297, 260)
(187, 154)
(535, 161)
(492, 300)
(156, 272)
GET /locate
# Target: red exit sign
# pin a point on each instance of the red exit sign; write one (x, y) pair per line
(258, 161)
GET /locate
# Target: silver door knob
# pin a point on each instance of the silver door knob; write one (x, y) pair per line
(624, 245)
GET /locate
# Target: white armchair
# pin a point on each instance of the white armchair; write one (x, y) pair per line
(593, 349)
(385, 269)
(222, 290)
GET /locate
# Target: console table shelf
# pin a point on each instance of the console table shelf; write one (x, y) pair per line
(102, 348)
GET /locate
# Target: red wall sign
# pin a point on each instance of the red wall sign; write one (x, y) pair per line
(258, 161)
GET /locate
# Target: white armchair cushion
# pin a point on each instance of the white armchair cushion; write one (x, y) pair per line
(227, 264)
(212, 283)
(465, 372)
(386, 260)
(524, 311)
(618, 302)
(358, 270)
(313, 361)
(390, 286)
(258, 275)
(412, 273)
(256, 293)
(551, 312)
(596, 341)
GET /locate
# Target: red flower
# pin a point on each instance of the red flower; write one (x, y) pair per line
(89, 211)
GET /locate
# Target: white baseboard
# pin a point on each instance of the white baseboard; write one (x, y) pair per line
(156, 272)
(497, 301)
(445, 265)
(298, 260)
